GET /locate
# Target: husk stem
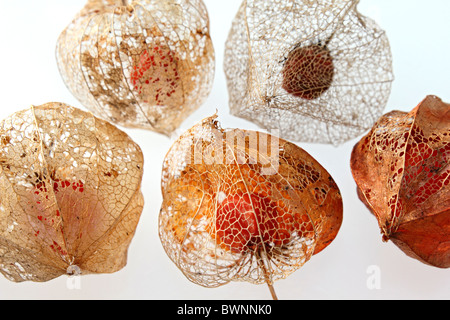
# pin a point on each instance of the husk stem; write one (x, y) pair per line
(267, 276)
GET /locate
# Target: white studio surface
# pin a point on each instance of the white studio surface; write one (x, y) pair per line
(419, 34)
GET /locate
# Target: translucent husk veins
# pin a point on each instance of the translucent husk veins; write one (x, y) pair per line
(242, 205)
(401, 168)
(143, 64)
(70, 196)
(317, 70)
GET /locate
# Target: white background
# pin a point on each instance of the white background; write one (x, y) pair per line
(419, 32)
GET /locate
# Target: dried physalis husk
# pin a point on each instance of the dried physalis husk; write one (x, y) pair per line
(243, 205)
(145, 64)
(402, 170)
(318, 71)
(70, 197)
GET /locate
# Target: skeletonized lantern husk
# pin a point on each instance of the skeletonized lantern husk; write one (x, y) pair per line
(402, 170)
(147, 64)
(70, 197)
(243, 205)
(318, 71)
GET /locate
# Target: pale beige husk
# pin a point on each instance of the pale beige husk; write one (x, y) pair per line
(70, 197)
(262, 36)
(103, 50)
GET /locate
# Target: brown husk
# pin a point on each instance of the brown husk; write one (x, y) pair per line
(402, 170)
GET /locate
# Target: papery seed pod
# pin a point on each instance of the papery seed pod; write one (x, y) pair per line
(147, 64)
(70, 197)
(243, 205)
(402, 170)
(318, 71)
